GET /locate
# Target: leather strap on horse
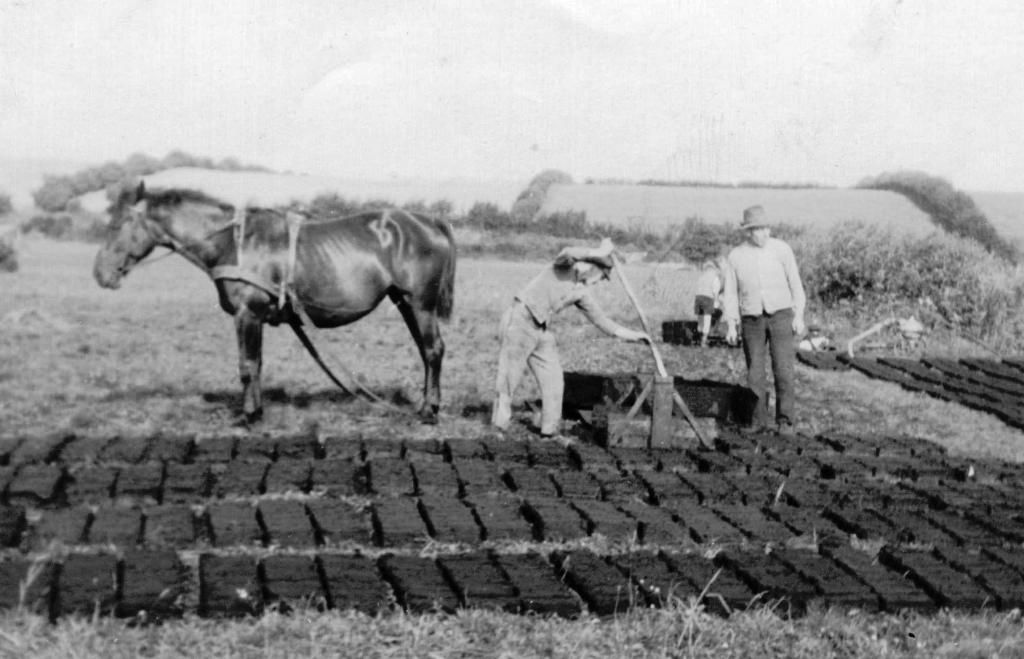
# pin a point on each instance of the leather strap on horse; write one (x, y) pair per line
(285, 293)
(354, 388)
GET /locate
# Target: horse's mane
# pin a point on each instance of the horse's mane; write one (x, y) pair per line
(160, 197)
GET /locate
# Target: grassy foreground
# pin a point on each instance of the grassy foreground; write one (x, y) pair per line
(682, 630)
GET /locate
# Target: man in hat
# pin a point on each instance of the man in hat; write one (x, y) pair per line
(765, 298)
(527, 339)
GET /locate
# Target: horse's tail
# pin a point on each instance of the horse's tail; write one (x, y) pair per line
(446, 292)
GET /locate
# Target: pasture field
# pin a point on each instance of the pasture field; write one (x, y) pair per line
(658, 207)
(160, 356)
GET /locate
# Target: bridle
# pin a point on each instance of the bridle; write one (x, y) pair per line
(177, 246)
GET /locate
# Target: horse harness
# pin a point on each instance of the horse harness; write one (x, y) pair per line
(283, 291)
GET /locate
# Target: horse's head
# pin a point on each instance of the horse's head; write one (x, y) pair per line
(130, 238)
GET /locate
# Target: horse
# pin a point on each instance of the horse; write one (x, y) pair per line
(273, 266)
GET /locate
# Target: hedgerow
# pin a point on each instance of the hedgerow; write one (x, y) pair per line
(950, 209)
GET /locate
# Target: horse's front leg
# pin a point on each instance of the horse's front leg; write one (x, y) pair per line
(249, 328)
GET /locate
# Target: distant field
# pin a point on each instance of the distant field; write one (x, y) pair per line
(1006, 212)
(267, 189)
(657, 206)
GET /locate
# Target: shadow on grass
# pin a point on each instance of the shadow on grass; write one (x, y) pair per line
(276, 395)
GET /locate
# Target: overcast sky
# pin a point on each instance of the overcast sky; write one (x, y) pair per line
(824, 91)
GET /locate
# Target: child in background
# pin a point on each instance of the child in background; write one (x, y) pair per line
(708, 298)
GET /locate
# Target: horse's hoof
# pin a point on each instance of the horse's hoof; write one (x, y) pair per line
(249, 418)
(428, 416)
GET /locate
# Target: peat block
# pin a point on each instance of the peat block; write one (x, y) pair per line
(896, 591)
(171, 525)
(153, 584)
(605, 590)
(186, 482)
(239, 478)
(572, 484)
(12, 524)
(228, 586)
(725, 591)
(836, 586)
(302, 446)
(540, 590)
(214, 448)
(457, 449)
(87, 582)
(36, 484)
(353, 582)
(39, 449)
(340, 477)
(527, 481)
(131, 450)
(479, 477)
(234, 523)
(605, 519)
(398, 523)
(84, 449)
(35, 576)
(292, 579)
(8, 445)
(753, 523)
(501, 518)
(66, 526)
(479, 582)
(172, 447)
(391, 477)
(765, 573)
(91, 484)
(338, 521)
(704, 525)
(418, 584)
(256, 448)
(116, 526)
(656, 526)
(143, 481)
(1005, 583)
(658, 582)
(438, 478)
(287, 523)
(449, 520)
(555, 519)
(944, 583)
(288, 475)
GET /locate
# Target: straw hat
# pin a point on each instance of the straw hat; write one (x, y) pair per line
(600, 256)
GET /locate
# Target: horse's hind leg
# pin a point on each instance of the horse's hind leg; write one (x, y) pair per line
(424, 328)
(249, 328)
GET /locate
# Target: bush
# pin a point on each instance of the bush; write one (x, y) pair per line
(5, 204)
(83, 226)
(950, 281)
(58, 191)
(8, 254)
(530, 200)
(949, 208)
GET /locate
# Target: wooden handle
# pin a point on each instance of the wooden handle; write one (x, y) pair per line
(643, 319)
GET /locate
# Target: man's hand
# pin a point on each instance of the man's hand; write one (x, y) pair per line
(627, 334)
(798, 326)
(731, 335)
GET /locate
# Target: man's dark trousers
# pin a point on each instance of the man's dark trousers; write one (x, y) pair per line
(771, 334)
